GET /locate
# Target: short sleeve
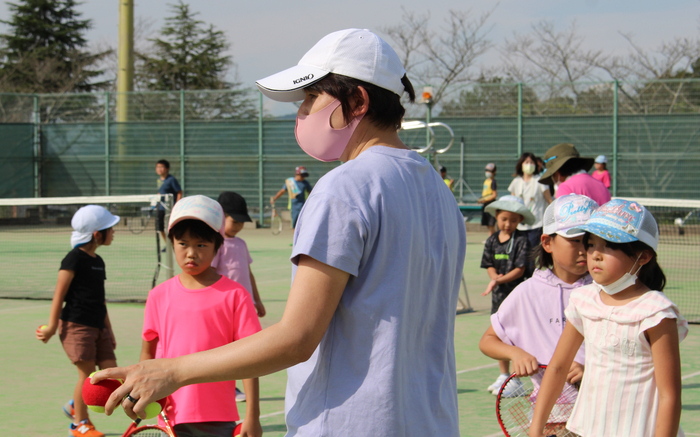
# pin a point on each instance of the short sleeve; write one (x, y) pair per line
(513, 187)
(70, 262)
(487, 256)
(573, 316)
(606, 179)
(494, 185)
(666, 313)
(245, 317)
(522, 250)
(542, 187)
(176, 185)
(150, 318)
(563, 190)
(331, 231)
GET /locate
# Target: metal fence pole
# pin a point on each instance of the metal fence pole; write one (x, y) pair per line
(260, 159)
(520, 119)
(182, 142)
(37, 147)
(107, 175)
(615, 145)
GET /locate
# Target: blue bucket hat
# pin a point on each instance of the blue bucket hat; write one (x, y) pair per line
(622, 221)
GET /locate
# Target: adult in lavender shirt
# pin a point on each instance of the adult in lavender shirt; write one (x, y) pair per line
(567, 170)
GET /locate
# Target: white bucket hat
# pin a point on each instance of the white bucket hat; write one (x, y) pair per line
(198, 208)
(88, 220)
(512, 204)
(356, 53)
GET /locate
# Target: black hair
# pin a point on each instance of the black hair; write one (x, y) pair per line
(385, 108)
(164, 162)
(650, 274)
(197, 229)
(573, 165)
(103, 233)
(605, 165)
(542, 258)
(519, 164)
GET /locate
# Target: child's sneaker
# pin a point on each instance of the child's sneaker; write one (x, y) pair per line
(497, 383)
(85, 429)
(68, 410)
(514, 389)
(240, 396)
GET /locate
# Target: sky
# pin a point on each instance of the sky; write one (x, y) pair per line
(267, 36)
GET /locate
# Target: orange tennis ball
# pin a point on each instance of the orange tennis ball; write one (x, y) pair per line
(95, 396)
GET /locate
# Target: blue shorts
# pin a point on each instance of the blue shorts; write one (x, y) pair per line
(296, 209)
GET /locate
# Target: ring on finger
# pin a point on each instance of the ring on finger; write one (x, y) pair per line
(131, 398)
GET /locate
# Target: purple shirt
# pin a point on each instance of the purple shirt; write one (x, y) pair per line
(532, 316)
(585, 184)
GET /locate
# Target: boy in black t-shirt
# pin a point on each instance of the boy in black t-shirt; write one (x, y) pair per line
(505, 256)
(85, 331)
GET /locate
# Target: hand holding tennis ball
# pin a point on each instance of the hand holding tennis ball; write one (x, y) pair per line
(43, 333)
(95, 396)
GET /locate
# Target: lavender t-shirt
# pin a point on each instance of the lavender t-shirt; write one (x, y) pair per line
(386, 364)
(233, 261)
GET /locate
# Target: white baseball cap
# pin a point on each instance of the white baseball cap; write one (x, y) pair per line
(601, 159)
(198, 208)
(356, 53)
(567, 212)
(88, 220)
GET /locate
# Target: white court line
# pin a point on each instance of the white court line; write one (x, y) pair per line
(477, 368)
(276, 413)
(499, 434)
(688, 377)
(8, 310)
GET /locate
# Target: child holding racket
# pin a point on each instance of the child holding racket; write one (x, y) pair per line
(85, 330)
(505, 257)
(233, 259)
(632, 384)
(196, 311)
(529, 322)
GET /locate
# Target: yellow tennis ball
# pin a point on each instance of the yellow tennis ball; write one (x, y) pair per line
(152, 410)
(43, 326)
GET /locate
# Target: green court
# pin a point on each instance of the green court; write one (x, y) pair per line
(37, 379)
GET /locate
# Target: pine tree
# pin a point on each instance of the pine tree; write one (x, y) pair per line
(44, 50)
(190, 56)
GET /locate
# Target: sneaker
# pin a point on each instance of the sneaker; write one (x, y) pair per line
(240, 396)
(497, 383)
(68, 410)
(514, 389)
(85, 429)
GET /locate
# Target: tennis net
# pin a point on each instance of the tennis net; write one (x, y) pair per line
(679, 250)
(35, 236)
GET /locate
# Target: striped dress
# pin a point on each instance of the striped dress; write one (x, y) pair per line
(618, 394)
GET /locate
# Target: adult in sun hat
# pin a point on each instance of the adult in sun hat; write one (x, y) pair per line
(297, 188)
(355, 335)
(567, 170)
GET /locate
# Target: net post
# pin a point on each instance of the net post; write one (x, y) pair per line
(260, 159)
(520, 119)
(37, 147)
(182, 140)
(107, 175)
(168, 262)
(615, 145)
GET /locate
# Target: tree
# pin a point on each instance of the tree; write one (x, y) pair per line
(190, 56)
(441, 59)
(44, 50)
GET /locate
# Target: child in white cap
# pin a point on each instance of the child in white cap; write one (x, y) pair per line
(85, 331)
(631, 330)
(199, 310)
(529, 322)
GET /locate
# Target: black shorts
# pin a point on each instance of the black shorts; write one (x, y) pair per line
(486, 218)
(160, 222)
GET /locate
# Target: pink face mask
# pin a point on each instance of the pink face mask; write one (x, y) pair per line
(318, 139)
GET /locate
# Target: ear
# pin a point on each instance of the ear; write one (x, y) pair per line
(97, 236)
(360, 102)
(645, 257)
(547, 242)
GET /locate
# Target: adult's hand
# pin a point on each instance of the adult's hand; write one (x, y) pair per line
(147, 381)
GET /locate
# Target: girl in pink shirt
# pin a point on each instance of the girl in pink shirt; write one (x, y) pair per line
(601, 171)
(632, 384)
(528, 324)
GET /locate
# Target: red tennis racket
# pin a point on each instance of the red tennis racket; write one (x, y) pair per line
(150, 430)
(516, 404)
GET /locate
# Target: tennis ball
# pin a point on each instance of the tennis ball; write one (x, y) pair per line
(41, 328)
(237, 431)
(154, 408)
(95, 395)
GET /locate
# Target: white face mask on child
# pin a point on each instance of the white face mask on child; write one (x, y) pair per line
(627, 280)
